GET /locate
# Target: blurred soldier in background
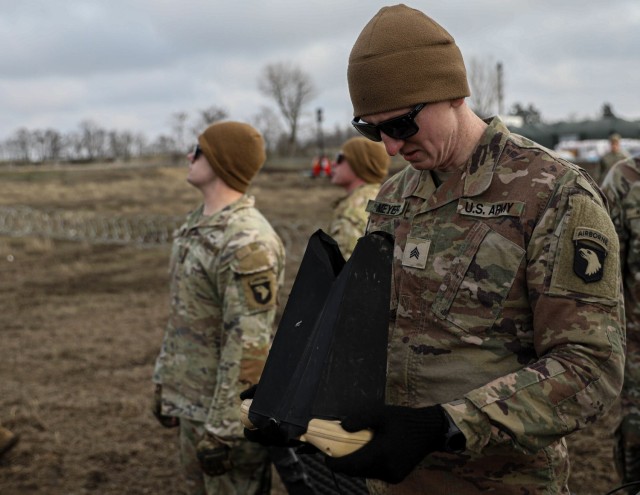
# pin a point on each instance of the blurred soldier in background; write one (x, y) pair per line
(614, 155)
(506, 323)
(8, 440)
(227, 264)
(360, 167)
(622, 187)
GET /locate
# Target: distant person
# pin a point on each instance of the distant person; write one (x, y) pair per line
(360, 167)
(506, 325)
(622, 187)
(8, 440)
(614, 155)
(227, 264)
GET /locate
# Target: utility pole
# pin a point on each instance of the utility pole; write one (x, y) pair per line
(320, 135)
(500, 92)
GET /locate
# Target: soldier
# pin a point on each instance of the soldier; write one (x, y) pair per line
(360, 168)
(8, 440)
(506, 330)
(614, 155)
(622, 187)
(227, 264)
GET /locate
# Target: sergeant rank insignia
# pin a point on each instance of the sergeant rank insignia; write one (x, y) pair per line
(590, 251)
(416, 252)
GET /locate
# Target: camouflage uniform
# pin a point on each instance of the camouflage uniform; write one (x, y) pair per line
(226, 269)
(350, 217)
(622, 187)
(609, 159)
(506, 309)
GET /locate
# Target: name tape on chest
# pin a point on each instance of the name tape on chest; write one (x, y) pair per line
(488, 210)
(388, 209)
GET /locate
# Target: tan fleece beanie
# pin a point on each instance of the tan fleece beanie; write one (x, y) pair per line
(402, 58)
(235, 151)
(368, 159)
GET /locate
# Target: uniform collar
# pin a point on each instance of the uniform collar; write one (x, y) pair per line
(477, 172)
(197, 220)
(481, 165)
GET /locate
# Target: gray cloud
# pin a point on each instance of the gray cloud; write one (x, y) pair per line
(135, 62)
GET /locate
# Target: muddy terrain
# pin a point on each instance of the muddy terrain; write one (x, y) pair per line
(81, 323)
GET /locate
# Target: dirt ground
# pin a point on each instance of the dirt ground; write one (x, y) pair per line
(81, 324)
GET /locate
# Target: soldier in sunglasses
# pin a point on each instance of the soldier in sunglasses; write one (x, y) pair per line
(227, 264)
(506, 322)
(360, 167)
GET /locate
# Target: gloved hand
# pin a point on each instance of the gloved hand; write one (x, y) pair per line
(270, 435)
(166, 421)
(213, 456)
(402, 437)
(249, 393)
(627, 448)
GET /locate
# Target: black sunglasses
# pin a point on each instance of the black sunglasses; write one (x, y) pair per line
(197, 151)
(339, 158)
(400, 127)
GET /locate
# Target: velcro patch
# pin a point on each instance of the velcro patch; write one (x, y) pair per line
(252, 258)
(416, 252)
(472, 208)
(588, 252)
(388, 209)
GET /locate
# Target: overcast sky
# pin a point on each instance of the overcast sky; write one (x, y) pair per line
(131, 64)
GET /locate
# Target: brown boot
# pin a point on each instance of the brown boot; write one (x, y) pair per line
(7, 440)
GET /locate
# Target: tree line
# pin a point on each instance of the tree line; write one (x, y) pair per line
(287, 86)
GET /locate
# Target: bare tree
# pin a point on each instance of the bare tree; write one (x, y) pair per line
(93, 140)
(207, 117)
(483, 75)
(121, 144)
(178, 125)
(163, 145)
(53, 145)
(20, 145)
(268, 123)
(292, 89)
(529, 115)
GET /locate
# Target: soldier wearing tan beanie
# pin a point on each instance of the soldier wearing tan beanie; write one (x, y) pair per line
(401, 58)
(227, 265)
(235, 151)
(506, 322)
(360, 168)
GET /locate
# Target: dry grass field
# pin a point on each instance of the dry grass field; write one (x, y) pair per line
(81, 324)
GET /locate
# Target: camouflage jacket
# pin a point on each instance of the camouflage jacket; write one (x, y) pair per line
(350, 217)
(609, 159)
(506, 309)
(622, 187)
(225, 273)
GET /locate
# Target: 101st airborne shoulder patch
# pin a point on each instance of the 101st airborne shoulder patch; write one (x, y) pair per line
(588, 254)
(256, 276)
(590, 251)
(260, 289)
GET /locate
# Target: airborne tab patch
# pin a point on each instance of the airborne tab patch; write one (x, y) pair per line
(416, 252)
